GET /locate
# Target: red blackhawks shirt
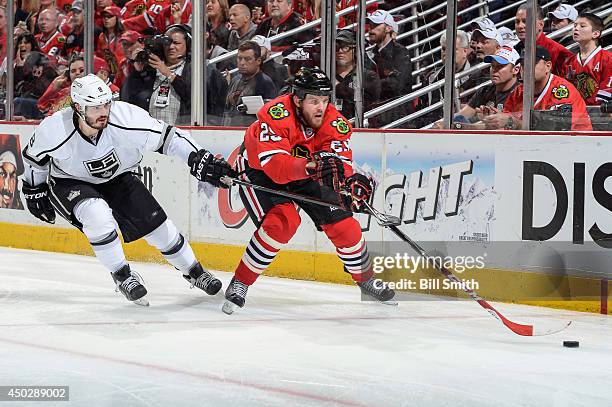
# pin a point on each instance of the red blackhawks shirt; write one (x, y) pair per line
(558, 91)
(280, 145)
(138, 15)
(591, 75)
(52, 45)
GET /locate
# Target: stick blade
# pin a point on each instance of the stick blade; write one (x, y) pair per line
(531, 330)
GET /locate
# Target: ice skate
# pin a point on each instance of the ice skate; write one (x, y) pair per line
(203, 279)
(235, 296)
(129, 284)
(373, 290)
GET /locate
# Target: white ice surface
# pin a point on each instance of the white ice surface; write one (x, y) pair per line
(294, 344)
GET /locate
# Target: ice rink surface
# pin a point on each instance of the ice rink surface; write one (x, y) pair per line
(295, 344)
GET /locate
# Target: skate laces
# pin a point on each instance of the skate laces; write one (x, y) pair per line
(203, 281)
(132, 281)
(368, 286)
(239, 288)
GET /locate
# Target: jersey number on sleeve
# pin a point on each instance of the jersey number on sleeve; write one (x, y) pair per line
(267, 134)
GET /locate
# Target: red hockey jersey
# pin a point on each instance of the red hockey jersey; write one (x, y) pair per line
(52, 45)
(591, 75)
(164, 19)
(558, 91)
(280, 145)
(139, 15)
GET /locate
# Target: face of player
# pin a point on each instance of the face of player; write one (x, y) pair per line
(583, 31)
(313, 108)
(376, 33)
(556, 23)
(248, 63)
(176, 51)
(110, 21)
(8, 184)
(47, 21)
(77, 70)
(96, 117)
(278, 9)
(501, 74)
(520, 25)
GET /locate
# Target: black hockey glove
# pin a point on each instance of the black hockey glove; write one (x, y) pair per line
(39, 204)
(359, 188)
(329, 170)
(208, 168)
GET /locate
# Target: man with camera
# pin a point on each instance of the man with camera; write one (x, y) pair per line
(161, 82)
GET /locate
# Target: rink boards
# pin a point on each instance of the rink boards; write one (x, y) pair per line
(537, 206)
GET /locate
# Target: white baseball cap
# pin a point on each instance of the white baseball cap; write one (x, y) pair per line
(383, 17)
(505, 55)
(486, 27)
(565, 11)
(263, 42)
(509, 38)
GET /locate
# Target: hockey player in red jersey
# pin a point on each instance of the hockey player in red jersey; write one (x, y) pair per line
(591, 68)
(301, 143)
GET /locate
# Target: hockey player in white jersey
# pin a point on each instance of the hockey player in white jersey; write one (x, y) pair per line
(80, 163)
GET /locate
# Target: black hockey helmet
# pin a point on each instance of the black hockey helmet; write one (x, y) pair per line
(311, 81)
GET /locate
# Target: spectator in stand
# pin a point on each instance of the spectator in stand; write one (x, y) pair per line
(484, 108)
(591, 68)
(109, 46)
(558, 52)
(250, 81)
(243, 28)
(345, 76)
(31, 21)
(102, 71)
(50, 40)
(178, 12)
(487, 38)
(309, 9)
(283, 18)
(163, 87)
(24, 44)
(277, 72)
(551, 93)
(563, 16)
(2, 34)
(32, 77)
(351, 18)
(131, 45)
(461, 64)
(217, 12)
(74, 40)
(57, 95)
(214, 50)
(99, 7)
(393, 65)
(509, 38)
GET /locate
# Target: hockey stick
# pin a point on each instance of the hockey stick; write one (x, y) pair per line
(519, 329)
(381, 218)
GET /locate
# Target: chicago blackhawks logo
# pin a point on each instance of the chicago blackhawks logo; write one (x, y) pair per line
(341, 125)
(561, 92)
(278, 111)
(585, 85)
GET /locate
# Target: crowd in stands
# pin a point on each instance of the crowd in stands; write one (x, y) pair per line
(143, 51)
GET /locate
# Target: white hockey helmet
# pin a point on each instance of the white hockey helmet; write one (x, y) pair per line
(90, 91)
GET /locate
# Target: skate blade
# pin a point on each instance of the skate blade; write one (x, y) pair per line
(143, 302)
(229, 307)
(389, 302)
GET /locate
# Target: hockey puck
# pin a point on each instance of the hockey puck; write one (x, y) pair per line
(571, 344)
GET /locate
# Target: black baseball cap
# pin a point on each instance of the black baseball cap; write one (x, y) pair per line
(540, 53)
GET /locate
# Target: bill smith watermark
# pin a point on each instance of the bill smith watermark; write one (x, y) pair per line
(401, 263)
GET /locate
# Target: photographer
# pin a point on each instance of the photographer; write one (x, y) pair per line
(161, 82)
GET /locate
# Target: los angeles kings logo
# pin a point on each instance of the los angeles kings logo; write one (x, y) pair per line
(104, 167)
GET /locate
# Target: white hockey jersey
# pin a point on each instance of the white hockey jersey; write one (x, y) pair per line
(59, 148)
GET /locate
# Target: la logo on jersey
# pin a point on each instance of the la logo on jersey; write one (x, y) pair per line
(104, 167)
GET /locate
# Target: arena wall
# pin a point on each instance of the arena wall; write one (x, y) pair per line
(536, 205)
